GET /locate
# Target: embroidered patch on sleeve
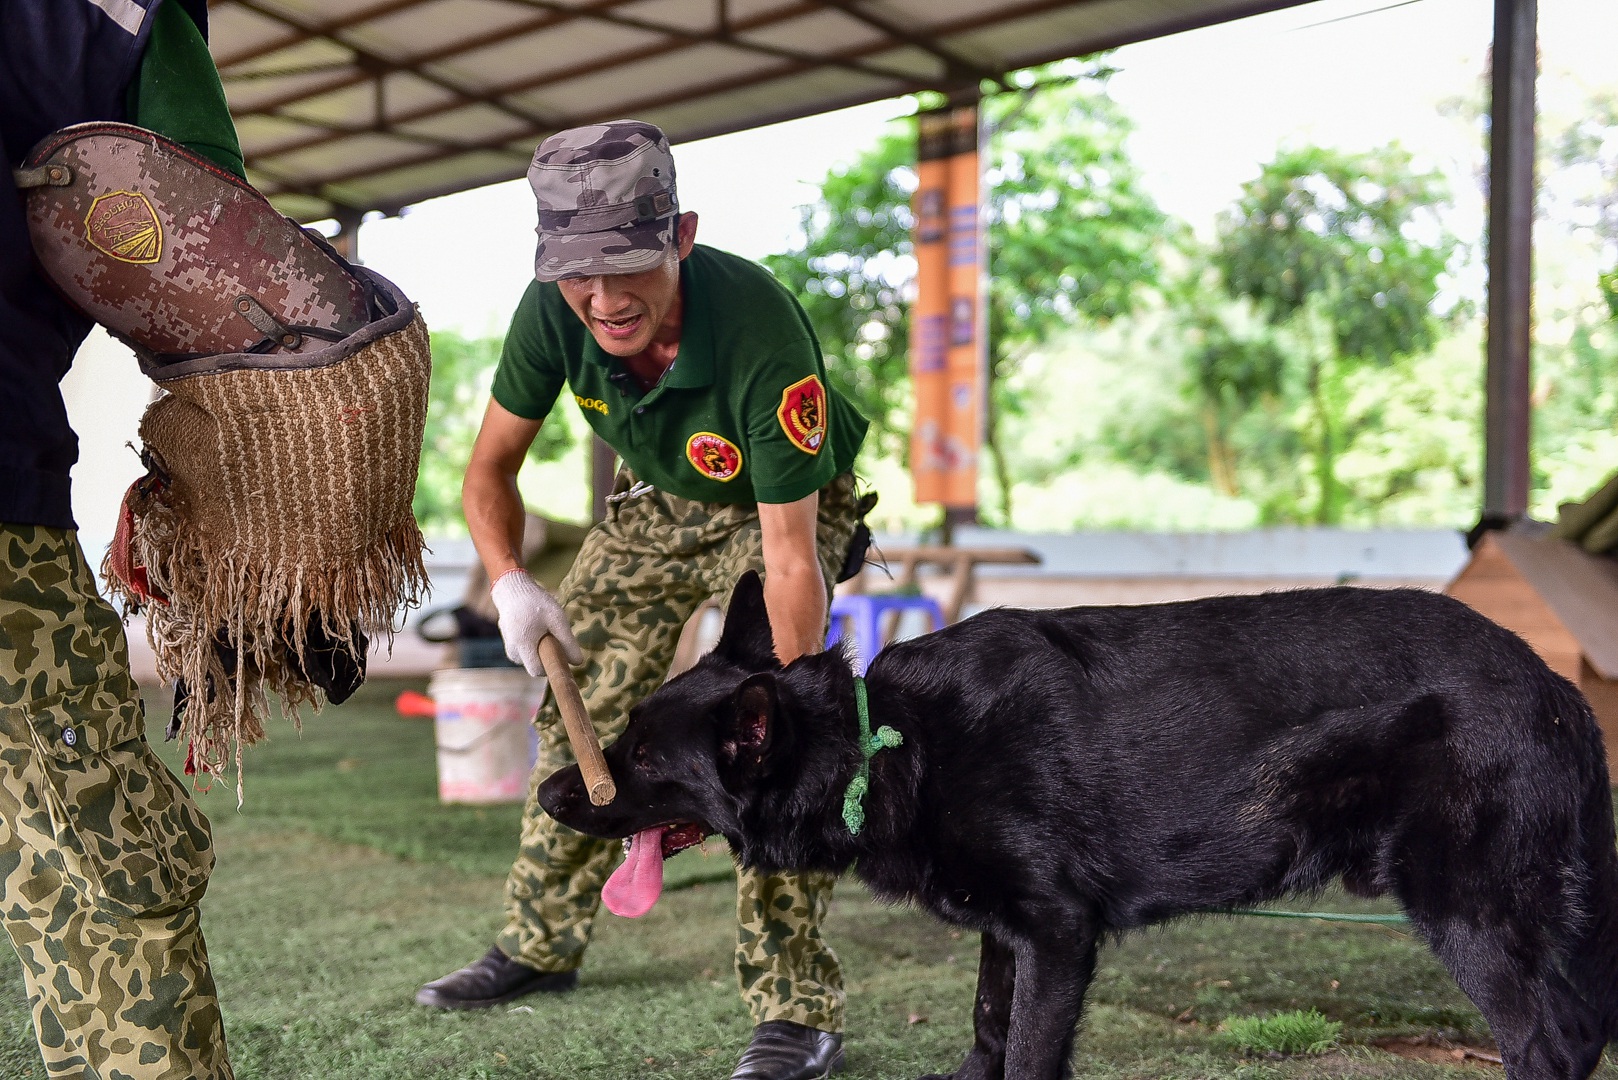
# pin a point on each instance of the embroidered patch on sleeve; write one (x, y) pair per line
(803, 414)
(714, 456)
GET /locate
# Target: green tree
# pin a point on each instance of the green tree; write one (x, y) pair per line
(1072, 237)
(852, 273)
(1343, 252)
(463, 369)
(1575, 439)
(1588, 151)
(1575, 348)
(1139, 453)
(1233, 368)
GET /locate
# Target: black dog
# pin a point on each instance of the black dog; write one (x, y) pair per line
(1068, 774)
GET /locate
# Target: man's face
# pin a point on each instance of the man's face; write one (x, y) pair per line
(625, 311)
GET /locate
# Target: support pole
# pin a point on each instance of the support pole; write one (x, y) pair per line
(1510, 241)
(347, 240)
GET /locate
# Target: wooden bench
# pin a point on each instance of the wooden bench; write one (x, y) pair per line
(958, 564)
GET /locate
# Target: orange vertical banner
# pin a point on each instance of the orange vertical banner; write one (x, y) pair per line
(967, 353)
(947, 341)
(929, 315)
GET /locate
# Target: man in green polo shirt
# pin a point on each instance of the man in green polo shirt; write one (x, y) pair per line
(704, 374)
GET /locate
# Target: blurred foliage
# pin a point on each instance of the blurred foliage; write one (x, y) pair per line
(1072, 236)
(1351, 239)
(1575, 360)
(463, 370)
(1234, 365)
(853, 274)
(1588, 149)
(1343, 252)
(1313, 363)
(1329, 262)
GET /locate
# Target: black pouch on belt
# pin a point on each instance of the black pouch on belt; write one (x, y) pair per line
(860, 542)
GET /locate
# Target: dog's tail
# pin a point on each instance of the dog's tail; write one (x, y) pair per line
(1592, 951)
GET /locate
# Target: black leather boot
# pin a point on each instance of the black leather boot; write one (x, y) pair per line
(494, 979)
(782, 1050)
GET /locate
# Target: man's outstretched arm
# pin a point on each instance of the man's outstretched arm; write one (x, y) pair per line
(794, 588)
(494, 516)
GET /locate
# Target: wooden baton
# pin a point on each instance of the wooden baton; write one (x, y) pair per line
(581, 735)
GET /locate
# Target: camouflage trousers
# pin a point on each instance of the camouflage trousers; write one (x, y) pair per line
(639, 577)
(103, 854)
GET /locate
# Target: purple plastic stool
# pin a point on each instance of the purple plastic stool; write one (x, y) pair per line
(865, 610)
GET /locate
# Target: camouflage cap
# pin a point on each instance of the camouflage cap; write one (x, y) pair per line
(606, 200)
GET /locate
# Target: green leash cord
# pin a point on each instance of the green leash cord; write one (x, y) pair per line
(1324, 916)
(853, 799)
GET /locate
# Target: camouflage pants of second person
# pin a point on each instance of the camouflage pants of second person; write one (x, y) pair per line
(103, 854)
(639, 577)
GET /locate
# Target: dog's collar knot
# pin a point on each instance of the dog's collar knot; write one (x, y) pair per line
(853, 799)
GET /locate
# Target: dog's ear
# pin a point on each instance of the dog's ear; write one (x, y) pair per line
(749, 730)
(746, 639)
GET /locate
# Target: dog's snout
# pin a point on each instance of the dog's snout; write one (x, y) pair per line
(561, 793)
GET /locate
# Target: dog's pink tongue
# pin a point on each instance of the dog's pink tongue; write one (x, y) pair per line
(637, 883)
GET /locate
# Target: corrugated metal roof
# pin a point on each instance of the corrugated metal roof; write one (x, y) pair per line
(376, 104)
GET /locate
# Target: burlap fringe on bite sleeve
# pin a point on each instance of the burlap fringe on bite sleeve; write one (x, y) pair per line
(277, 510)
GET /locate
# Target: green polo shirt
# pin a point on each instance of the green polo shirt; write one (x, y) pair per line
(178, 93)
(743, 415)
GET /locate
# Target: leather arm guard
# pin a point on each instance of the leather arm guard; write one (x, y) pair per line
(177, 257)
(272, 537)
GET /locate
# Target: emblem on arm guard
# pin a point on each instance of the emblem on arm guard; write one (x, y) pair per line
(124, 226)
(176, 256)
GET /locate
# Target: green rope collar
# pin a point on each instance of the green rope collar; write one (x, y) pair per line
(853, 799)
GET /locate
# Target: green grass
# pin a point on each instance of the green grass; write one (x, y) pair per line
(343, 885)
(360, 774)
(1300, 1031)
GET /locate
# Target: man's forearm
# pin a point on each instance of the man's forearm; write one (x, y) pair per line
(795, 597)
(489, 496)
(494, 517)
(794, 590)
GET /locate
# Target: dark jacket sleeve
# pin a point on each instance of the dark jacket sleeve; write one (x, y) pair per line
(66, 62)
(61, 62)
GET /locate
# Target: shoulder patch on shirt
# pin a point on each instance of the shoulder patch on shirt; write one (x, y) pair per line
(714, 456)
(803, 414)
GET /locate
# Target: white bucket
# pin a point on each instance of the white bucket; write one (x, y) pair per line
(483, 721)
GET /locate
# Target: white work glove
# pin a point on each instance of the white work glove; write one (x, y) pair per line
(528, 613)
